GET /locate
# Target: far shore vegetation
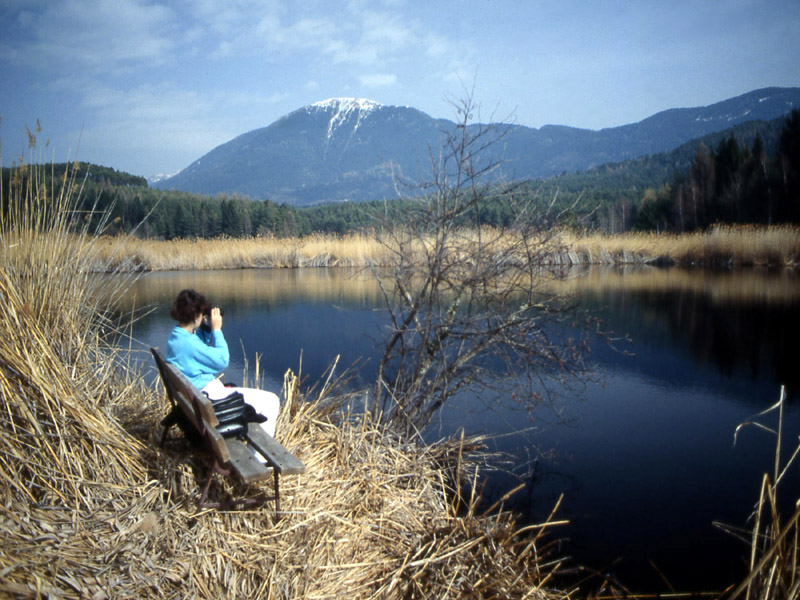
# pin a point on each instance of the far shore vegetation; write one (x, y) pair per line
(722, 246)
(729, 199)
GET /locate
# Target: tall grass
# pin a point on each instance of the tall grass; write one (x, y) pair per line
(777, 246)
(91, 508)
(69, 469)
(721, 246)
(228, 253)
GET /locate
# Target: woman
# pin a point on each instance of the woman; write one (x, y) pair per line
(200, 354)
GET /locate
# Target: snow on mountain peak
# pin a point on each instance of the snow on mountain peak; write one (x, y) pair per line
(160, 177)
(348, 104)
(345, 107)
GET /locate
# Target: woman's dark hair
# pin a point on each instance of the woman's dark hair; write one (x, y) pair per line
(188, 305)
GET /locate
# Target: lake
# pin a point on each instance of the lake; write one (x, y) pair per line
(643, 453)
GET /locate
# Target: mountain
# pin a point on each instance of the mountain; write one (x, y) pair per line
(333, 150)
(350, 149)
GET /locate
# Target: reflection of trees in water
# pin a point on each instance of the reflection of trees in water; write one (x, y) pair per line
(752, 339)
(743, 322)
(756, 340)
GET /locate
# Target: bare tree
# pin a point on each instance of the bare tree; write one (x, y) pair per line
(466, 302)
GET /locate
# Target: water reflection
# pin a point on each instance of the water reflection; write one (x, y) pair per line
(248, 287)
(742, 322)
(646, 460)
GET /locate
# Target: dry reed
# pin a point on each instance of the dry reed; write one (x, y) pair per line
(777, 246)
(91, 508)
(774, 540)
(227, 253)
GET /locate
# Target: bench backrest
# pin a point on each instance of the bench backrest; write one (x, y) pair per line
(194, 404)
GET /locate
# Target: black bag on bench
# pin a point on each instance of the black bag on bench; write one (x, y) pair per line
(231, 412)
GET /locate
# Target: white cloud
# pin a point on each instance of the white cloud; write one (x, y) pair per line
(230, 15)
(368, 34)
(374, 38)
(388, 29)
(154, 106)
(103, 35)
(266, 33)
(378, 79)
(437, 49)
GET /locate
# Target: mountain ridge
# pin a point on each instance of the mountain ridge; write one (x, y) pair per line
(357, 149)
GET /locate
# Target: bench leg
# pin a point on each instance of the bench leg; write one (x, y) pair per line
(167, 422)
(215, 468)
(277, 492)
(163, 439)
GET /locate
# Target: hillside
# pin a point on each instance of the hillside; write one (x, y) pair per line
(347, 149)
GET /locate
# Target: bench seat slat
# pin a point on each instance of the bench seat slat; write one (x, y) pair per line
(244, 462)
(219, 445)
(278, 456)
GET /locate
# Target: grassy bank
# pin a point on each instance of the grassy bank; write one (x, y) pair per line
(92, 508)
(720, 246)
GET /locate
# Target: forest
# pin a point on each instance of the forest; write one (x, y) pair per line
(730, 183)
(747, 174)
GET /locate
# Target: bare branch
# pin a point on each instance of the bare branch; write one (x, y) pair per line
(466, 303)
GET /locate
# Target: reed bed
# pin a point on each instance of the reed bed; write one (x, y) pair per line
(91, 508)
(775, 548)
(355, 250)
(777, 246)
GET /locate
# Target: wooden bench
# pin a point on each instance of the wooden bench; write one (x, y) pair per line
(226, 456)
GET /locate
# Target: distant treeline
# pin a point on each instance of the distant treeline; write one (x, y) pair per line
(748, 174)
(610, 197)
(730, 183)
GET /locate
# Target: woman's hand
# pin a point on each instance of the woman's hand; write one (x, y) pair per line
(215, 320)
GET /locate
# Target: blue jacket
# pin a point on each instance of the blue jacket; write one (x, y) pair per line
(199, 361)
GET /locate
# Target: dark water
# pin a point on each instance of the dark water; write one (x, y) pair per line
(644, 457)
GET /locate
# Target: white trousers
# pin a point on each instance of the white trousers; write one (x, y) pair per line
(265, 403)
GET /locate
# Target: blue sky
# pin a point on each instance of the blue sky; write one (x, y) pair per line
(148, 87)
